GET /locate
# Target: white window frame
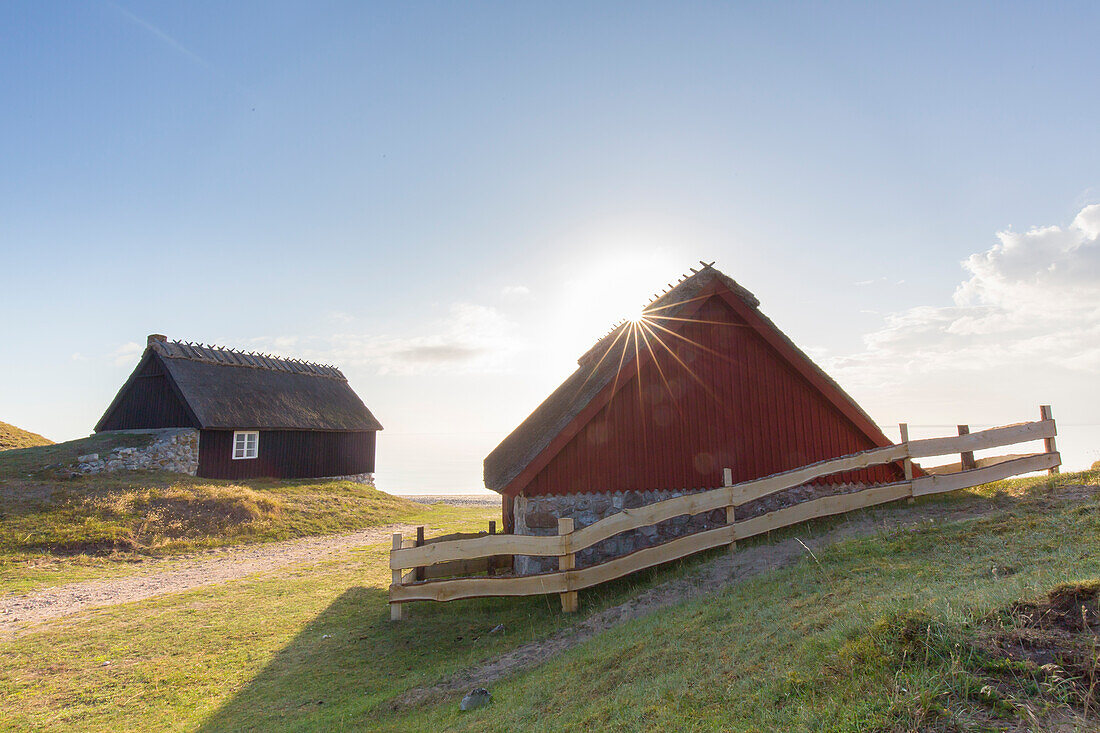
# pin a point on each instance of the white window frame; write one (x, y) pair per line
(243, 448)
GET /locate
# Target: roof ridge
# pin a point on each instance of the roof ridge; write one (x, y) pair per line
(227, 356)
(652, 305)
(671, 287)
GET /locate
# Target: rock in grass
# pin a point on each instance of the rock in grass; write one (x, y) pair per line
(477, 698)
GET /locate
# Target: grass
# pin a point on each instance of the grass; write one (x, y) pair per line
(13, 437)
(86, 526)
(888, 634)
(862, 638)
(55, 528)
(44, 461)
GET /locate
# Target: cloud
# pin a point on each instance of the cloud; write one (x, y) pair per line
(280, 345)
(471, 339)
(440, 353)
(127, 353)
(1033, 298)
(865, 283)
(515, 291)
(340, 317)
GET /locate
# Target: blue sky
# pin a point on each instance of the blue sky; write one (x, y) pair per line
(453, 200)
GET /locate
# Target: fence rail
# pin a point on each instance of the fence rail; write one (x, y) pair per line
(433, 559)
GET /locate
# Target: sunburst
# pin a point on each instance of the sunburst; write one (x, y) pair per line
(641, 333)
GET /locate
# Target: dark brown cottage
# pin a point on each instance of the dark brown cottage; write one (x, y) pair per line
(257, 415)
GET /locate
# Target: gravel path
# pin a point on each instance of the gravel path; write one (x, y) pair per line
(179, 574)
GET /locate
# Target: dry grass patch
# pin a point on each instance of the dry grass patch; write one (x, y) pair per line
(186, 512)
(153, 512)
(12, 437)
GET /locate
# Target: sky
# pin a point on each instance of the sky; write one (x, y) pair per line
(452, 201)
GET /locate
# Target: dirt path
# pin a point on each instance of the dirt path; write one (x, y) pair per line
(181, 574)
(724, 570)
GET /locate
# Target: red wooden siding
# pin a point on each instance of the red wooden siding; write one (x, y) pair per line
(288, 454)
(746, 409)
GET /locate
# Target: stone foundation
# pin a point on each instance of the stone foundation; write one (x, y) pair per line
(367, 479)
(172, 449)
(538, 515)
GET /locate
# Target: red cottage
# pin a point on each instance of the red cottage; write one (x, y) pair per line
(702, 381)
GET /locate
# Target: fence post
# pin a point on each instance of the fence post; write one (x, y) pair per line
(907, 462)
(567, 562)
(727, 480)
(966, 458)
(1049, 444)
(492, 565)
(419, 543)
(397, 610)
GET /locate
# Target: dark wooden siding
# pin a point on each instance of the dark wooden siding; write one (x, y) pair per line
(148, 401)
(288, 454)
(746, 408)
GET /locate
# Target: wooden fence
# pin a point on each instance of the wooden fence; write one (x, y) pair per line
(431, 560)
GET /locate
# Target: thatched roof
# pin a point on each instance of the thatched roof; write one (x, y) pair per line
(598, 367)
(229, 389)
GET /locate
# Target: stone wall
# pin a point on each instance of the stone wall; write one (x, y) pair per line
(538, 515)
(172, 449)
(367, 479)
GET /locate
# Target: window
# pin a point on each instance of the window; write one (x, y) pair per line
(246, 444)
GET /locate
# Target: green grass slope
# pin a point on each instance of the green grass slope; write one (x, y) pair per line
(47, 460)
(13, 437)
(928, 629)
(51, 524)
(988, 624)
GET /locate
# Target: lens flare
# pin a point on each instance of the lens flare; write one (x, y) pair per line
(641, 333)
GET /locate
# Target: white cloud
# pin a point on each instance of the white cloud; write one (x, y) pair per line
(471, 339)
(1033, 298)
(128, 353)
(340, 317)
(515, 291)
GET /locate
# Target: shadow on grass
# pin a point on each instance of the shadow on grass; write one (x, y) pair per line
(346, 664)
(350, 661)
